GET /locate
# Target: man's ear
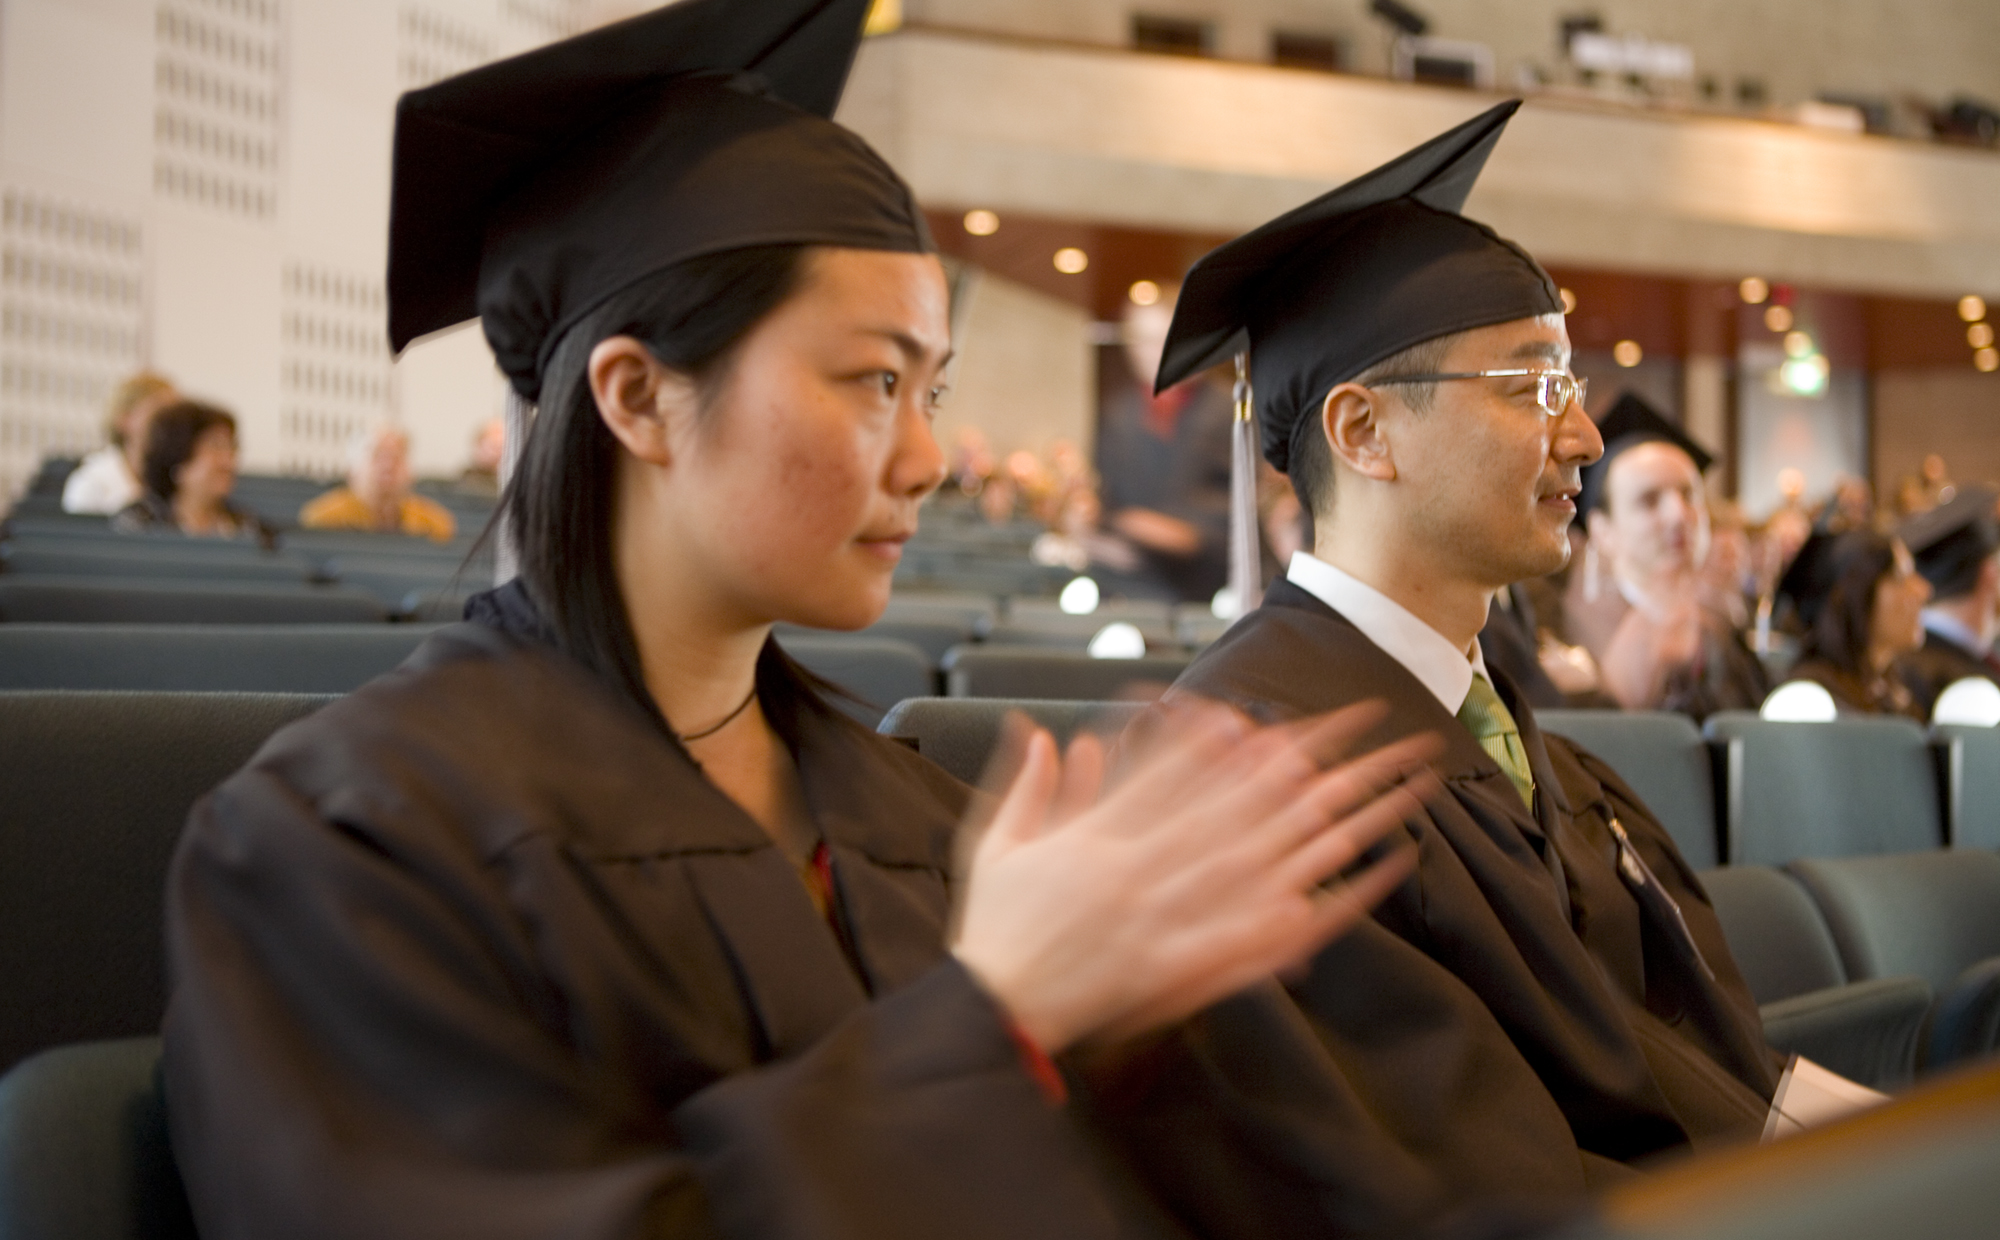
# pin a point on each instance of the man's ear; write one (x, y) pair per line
(1351, 420)
(645, 404)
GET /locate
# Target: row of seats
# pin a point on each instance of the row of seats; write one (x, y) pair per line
(391, 568)
(1748, 791)
(100, 783)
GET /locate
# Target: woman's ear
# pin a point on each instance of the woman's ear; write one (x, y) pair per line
(644, 404)
(1351, 420)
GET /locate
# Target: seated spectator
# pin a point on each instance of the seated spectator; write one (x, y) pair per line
(110, 479)
(481, 475)
(190, 469)
(1662, 637)
(1957, 549)
(1861, 599)
(377, 495)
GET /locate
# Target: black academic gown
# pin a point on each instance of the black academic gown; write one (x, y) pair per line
(1937, 665)
(477, 951)
(1515, 1024)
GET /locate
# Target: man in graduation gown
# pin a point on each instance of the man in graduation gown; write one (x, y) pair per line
(1955, 546)
(1548, 1002)
(1645, 614)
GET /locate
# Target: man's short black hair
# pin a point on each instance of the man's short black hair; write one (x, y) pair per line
(1312, 463)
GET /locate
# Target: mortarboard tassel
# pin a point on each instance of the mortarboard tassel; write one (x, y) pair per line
(520, 415)
(1245, 558)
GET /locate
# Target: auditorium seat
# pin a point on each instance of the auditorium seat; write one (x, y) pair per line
(1865, 1030)
(98, 786)
(241, 658)
(976, 611)
(879, 671)
(1013, 672)
(1662, 756)
(933, 637)
(1850, 787)
(71, 600)
(960, 734)
(160, 560)
(1969, 768)
(1040, 621)
(1932, 914)
(84, 1153)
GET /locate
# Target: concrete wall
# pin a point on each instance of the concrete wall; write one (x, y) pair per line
(1797, 48)
(1211, 147)
(202, 186)
(1025, 372)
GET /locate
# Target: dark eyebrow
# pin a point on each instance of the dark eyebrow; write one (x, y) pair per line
(1545, 350)
(908, 345)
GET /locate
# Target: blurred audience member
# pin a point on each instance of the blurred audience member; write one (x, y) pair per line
(377, 496)
(1164, 464)
(481, 475)
(972, 460)
(1728, 582)
(1852, 507)
(1644, 606)
(1957, 549)
(111, 479)
(1861, 599)
(189, 470)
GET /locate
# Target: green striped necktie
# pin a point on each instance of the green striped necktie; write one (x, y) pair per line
(1487, 718)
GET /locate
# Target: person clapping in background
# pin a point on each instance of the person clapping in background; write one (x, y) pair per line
(1644, 607)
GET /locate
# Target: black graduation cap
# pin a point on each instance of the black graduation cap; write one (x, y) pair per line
(528, 191)
(1628, 423)
(1952, 540)
(1325, 291)
(1811, 575)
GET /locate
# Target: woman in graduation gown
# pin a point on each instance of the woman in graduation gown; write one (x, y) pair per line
(593, 919)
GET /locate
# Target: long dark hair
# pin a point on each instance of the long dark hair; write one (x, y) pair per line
(558, 504)
(170, 439)
(1843, 629)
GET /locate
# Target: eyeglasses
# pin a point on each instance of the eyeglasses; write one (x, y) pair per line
(1554, 389)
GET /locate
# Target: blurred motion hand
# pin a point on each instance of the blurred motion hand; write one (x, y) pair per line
(1107, 912)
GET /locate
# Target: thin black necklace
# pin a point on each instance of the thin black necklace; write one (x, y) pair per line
(685, 737)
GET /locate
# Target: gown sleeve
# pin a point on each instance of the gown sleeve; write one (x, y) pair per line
(362, 1042)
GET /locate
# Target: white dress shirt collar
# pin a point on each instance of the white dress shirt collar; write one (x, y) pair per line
(1427, 654)
(1953, 630)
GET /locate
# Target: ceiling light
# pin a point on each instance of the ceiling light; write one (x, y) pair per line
(1804, 376)
(1627, 353)
(1798, 344)
(1069, 260)
(1753, 290)
(982, 223)
(1987, 360)
(1778, 318)
(1979, 335)
(1143, 292)
(1569, 301)
(1972, 307)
